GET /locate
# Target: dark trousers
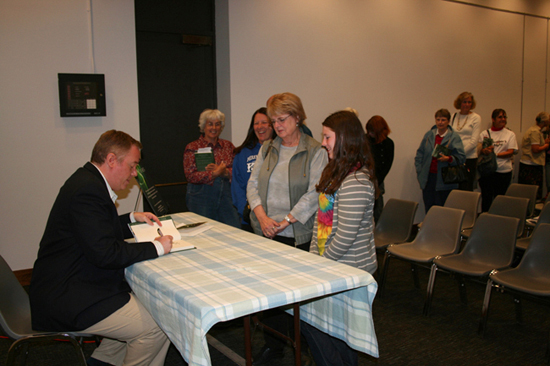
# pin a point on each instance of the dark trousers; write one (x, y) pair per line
(531, 174)
(379, 203)
(491, 186)
(431, 196)
(471, 165)
(276, 318)
(327, 350)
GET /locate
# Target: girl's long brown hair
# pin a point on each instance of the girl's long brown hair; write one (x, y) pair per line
(351, 149)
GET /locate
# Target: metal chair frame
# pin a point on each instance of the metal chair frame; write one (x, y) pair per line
(440, 235)
(530, 279)
(15, 320)
(491, 246)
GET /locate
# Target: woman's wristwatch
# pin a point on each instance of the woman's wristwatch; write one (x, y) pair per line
(287, 219)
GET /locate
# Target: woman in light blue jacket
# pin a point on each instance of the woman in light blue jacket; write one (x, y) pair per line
(428, 167)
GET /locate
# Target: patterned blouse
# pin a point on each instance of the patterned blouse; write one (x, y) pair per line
(223, 153)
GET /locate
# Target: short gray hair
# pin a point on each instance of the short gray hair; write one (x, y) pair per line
(211, 115)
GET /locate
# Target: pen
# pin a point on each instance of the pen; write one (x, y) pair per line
(160, 232)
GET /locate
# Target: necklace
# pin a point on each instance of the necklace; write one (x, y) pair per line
(295, 142)
(458, 126)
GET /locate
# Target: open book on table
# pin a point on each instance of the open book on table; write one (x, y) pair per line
(142, 231)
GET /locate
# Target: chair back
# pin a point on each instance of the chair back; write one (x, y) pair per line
(536, 259)
(544, 217)
(15, 313)
(511, 207)
(528, 191)
(395, 223)
(440, 232)
(467, 201)
(492, 241)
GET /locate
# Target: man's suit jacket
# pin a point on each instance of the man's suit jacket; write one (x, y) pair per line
(78, 277)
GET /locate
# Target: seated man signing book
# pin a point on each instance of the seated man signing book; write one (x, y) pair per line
(78, 279)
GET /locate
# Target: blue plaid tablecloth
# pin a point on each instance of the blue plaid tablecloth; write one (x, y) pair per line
(233, 273)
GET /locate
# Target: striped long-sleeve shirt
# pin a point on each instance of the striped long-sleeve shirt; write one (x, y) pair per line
(352, 239)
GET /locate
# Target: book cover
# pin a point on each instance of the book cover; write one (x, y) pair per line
(202, 159)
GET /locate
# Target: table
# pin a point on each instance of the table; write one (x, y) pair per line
(233, 273)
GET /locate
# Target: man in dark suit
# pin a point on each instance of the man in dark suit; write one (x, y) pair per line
(78, 279)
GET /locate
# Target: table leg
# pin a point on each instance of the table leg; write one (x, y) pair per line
(297, 336)
(296, 342)
(247, 341)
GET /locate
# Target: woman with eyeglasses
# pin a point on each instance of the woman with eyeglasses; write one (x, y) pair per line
(208, 166)
(281, 191)
(440, 147)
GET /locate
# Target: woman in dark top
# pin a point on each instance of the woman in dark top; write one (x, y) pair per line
(382, 149)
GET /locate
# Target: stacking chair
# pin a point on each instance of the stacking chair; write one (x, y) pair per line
(395, 223)
(440, 235)
(490, 246)
(530, 279)
(510, 207)
(544, 218)
(15, 319)
(540, 205)
(528, 191)
(467, 201)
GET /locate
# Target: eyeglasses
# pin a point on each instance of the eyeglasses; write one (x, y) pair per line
(280, 119)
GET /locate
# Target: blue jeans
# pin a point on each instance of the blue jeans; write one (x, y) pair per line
(431, 196)
(213, 201)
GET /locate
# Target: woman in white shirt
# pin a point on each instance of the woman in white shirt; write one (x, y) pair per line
(504, 145)
(467, 125)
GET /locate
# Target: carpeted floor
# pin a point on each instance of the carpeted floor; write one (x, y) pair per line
(447, 337)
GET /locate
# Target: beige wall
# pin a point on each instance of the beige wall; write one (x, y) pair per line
(400, 59)
(38, 148)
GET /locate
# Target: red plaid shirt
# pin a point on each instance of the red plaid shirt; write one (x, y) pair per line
(223, 153)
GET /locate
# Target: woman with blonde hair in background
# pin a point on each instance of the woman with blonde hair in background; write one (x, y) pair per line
(467, 125)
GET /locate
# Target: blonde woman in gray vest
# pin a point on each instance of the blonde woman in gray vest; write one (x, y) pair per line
(281, 189)
(282, 196)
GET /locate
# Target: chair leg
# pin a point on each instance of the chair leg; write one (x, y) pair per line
(462, 290)
(15, 349)
(77, 349)
(429, 292)
(462, 242)
(519, 318)
(485, 308)
(384, 274)
(378, 274)
(414, 270)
